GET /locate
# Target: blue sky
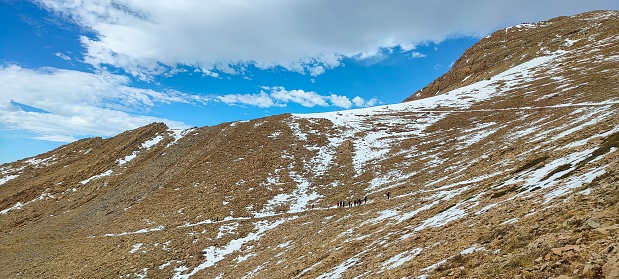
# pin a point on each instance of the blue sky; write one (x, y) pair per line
(71, 69)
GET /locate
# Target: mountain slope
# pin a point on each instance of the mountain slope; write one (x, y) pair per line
(506, 166)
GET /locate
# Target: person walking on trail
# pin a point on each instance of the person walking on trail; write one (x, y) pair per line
(388, 195)
(365, 200)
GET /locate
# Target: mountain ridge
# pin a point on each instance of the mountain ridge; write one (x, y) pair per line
(563, 32)
(510, 172)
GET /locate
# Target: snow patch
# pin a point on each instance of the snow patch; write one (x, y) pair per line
(178, 134)
(159, 228)
(135, 248)
(573, 183)
(18, 205)
(401, 258)
(339, 270)
(227, 229)
(7, 178)
(214, 254)
(106, 173)
(146, 145)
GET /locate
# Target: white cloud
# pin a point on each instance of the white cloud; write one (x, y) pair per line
(63, 56)
(71, 104)
(207, 72)
(372, 102)
(360, 102)
(147, 37)
(316, 71)
(340, 101)
(416, 54)
(304, 98)
(280, 97)
(64, 105)
(262, 100)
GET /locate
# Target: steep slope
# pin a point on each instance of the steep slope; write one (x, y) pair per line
(515, 45)
(510, 170)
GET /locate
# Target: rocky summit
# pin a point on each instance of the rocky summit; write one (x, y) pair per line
(507, 166)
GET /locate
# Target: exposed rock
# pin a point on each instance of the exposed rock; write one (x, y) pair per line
(560, 250)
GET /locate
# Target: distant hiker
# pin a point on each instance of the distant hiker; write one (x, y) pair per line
(388, 195)
(359, 201)
(365, 200)
(312, 206)
(349, 204)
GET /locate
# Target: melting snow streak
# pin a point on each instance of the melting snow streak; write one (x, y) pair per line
(215, 254)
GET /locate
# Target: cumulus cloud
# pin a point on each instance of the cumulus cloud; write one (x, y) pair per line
(207, 72)
(360, 102)
(340, 101)
(316, 71)
(304, 98)
(416, 54)
(64, 105)
(147, 37)
(262, 100)
(280, 97)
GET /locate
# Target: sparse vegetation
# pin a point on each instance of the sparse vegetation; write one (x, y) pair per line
(504, 192)
(531, 163)
(557, 170)
(605, 147)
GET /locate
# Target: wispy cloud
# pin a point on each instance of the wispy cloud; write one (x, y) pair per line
(416, 54)
(360, 102)
(147, 38)
(64, 105)
(280, 97)
(262, 100)
(63, 56)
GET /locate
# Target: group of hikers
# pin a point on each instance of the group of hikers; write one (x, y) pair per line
(340, 204)
(359, 201)
(352, 203)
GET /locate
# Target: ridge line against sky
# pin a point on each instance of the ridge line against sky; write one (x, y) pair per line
(72, 69)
